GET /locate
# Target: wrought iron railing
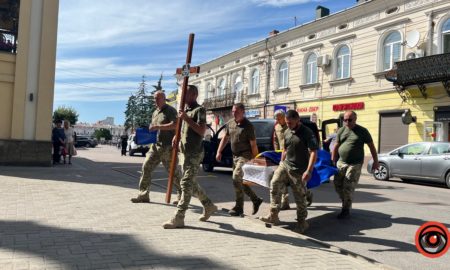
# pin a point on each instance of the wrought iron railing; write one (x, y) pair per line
(421, 71)
(429, 69)
(9, 21)
(8, 41)
(224, 101)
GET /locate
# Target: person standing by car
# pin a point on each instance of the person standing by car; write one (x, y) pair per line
(193, 130)
(164, 119)
(243, 145)
(68, 141)
(58, 141)
(123, 144)
(350, 142)
(296, 167)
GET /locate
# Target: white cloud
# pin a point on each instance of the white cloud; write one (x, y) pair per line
(87, 23)
(282, 3)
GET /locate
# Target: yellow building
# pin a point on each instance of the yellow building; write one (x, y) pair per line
(27, 71)
(339, 62)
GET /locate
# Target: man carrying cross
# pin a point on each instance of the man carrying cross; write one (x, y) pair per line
(194, 127)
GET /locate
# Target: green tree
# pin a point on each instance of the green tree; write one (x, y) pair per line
(130, 112)
(66, 113)
(140, 106)
(103, 133)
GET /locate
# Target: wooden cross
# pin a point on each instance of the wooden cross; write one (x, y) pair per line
(185, 71)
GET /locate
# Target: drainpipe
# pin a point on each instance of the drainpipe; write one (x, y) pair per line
(430, 34)
(268, 68)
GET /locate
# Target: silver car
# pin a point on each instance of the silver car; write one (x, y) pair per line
(428, 161)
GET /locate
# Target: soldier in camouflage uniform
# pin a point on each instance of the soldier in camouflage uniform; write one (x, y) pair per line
(193, 129)
(163, 119)
(244, 148)
(278, 143)
(295, 169)
(350, 142)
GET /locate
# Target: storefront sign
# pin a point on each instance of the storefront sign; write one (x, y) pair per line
(348, 106)
(279, 107)
(308, 109)
(251, 113)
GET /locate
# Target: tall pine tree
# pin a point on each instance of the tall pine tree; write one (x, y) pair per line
(140, 106)
(130, 112)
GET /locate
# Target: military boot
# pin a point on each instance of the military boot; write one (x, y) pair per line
(345, 213)
(236, 211)
(256, 205)
(271, 218)
(141, 199)
(301, 227)
(173, 223)
(309, 198)
(207, 212)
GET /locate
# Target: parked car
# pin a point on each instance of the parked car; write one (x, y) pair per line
(133, 147)
(264, 129)
(424, 161)
(85, 141)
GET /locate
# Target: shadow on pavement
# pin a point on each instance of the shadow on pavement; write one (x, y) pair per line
(88, 250)
(328, 228)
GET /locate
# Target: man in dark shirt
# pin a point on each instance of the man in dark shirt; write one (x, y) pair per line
(295, 169)
(243, 145)
(350, 142)
(58, 138)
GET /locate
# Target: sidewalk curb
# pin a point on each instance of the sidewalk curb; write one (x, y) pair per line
(307, 238)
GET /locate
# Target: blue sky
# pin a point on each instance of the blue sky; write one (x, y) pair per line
(106, 46)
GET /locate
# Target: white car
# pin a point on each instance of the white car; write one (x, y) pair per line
(133, 148)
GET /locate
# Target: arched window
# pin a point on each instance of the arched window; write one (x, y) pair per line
(208, 90)
(311, 69)
(237, 83)
(392, 50)
(283, 75)
(254, 87)
(221, 87)
(446, 37)
(343, 63)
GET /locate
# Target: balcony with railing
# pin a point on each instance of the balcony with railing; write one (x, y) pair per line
(9, 21)
(421, 71)
(223, 101)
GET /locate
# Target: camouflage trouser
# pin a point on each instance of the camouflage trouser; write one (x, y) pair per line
(281, 177)
(189, 185)
(152, 160)
(239, 188)
(284, 195)
(345, 182)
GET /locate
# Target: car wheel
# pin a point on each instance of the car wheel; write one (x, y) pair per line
(208, 167)
(382, 173)
(88, 145)
(447, 180)
(131, 152)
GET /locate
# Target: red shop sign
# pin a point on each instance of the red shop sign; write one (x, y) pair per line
(349, 106)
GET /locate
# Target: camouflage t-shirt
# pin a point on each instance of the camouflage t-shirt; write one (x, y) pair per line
(166, 115)
(191, 141)
(351, 141)
(279, 136)
(297, 145)
(240, 137)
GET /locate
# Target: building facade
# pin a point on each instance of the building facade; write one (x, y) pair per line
(339, 62)
(27, 69)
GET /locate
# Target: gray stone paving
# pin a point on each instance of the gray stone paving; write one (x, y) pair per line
(80, 217)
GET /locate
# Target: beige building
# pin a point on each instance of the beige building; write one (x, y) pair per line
(27, 71)
(339, 62)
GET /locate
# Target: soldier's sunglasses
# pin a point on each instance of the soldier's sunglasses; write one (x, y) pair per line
(348, 120)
